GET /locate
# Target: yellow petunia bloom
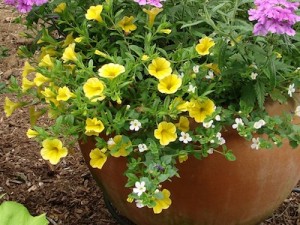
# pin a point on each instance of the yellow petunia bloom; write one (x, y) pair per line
(26, 84)
(165, 31)
(145, 57)
(10, 106)
(183, 124)
(122, 146)
(60, 8)
(93, 89)
(53, 150)
(160, 68)
(165, 133)
(180, 104)
(78, 39)
(47, 51)
(204, 45)
(93, 13)
(93, 126)
(199, 110)
(64, 94)
(69, 53)
(40, 79)
(49, 95)
(97, 52)
(127, 24)
(162, 203)
(152, 13)
(214, 67)
(169, 84)
(69, 40)
(98, 158)
(111, 70)
(31, 133)
(46, 61)
(27, 69)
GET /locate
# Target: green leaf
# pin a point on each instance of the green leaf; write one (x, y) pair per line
(13, 213)
(230, 156)
(260, 90)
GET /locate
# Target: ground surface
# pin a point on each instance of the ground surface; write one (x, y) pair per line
(67, 193)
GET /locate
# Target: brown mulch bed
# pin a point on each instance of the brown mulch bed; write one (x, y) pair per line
(67, 192)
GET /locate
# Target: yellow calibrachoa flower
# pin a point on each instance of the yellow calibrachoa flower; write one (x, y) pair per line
(97, 52)
(93, 13)
(160, 68)
(10, 106)
(180, 104)
(152, 13)
(145, 57)
(183, 124)
(162, 203)
(26, 84)
(93, 89)
(214, 67)
(127, 24)
(78, 39)
(31, 133)
(60, 8)
(122, 147)
(53, 150)
(165, 133)
(200, 109)
(47, 51)
(165, 31)
(69, 40)
(111, 70)
(40, 79)
(169, 84)
(69, 53)
(98, 158)
(46, 61)
(49, 95)
(64, 94)
(27, 69)
(204, 45)
(93, 126)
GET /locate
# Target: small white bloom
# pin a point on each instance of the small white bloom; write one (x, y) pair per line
(127, 107)
(238, 122)
(185, 137)
(208, 124)
(210, 75)
(110, 141)
(139, 188)
(255, 143)
(297, 111)
(181, 75)
(139, 203)
(259, 124)
(135, 125)
(221, 140)
(192, 88)
(253, 76)
(142, 147)
(210, 151)
(291, 89)
(218, 118)
(196, 69)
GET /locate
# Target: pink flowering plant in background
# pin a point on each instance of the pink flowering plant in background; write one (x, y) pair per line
(162, 81)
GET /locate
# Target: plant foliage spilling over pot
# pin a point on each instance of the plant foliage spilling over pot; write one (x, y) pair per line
(162, 79)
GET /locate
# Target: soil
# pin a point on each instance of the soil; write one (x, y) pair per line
(66, 192)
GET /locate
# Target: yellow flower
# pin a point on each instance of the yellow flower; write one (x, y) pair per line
(204, 45)
(111, 70)
(78, 39)
(180, 104)
(49, 96)
(60, 8)
(10, 106)
(69, 40)
(53, 150)
(152, 13)
(27, 69)
(46, 62)
(40, 79)
(183, 157)
(26, 84)
(127, 24)
(165, 133)
(64, 94)
(93, 89)
(183, 124)
(165, 31)
(47, 51)
(199, 110)
(98, 158)
(169, 84)
(31, 133)
(162, 203)
(97, 52)
(69, 53)
(93, 13)
(93, 126)
(121, 146)
(145, 57)
(160, 68)
(214, 67)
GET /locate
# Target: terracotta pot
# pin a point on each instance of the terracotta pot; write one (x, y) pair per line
(212, 191)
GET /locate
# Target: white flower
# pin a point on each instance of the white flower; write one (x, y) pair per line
(291, 89)
(135, 125)
(196, 69)
(192, 88)
(181, 75)
(127, 107)
(259, 124)
(238, 121)
(139, 203)
(139, 188)
(218, 118)
(185, 137)
(142, 147)
(253, 76)
(255, 143)
(210, 75)
(110, 141)
(297, 111)
(208, 124)
(221, 140)
(210, 151)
